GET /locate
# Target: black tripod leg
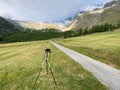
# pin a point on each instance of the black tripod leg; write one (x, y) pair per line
(52, 74)
(46, 66)
(38, 74)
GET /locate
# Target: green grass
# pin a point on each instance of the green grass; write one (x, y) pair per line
(20, 63)
(104, 47)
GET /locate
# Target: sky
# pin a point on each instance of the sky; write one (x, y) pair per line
(45, 10)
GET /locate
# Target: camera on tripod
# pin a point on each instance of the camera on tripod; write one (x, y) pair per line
(48, 50)
(48, 66)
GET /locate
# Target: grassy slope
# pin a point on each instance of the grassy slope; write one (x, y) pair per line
(110, 12)
(20, 63)
(104, 47)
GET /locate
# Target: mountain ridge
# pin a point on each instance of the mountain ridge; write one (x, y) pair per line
(97, 17)
(41, 25)
(82, 20)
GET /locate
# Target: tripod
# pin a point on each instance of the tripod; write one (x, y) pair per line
(48, 66)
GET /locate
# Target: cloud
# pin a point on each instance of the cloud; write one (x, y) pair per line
(44, 10)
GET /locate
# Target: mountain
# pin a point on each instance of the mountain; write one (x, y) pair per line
(14, 22)
(40, 25)
(110, 4)
(7, 26)
(110, 13)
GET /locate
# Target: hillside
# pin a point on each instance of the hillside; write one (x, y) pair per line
(40, 25)
(6, 26)
(109, 14)
(104, 47)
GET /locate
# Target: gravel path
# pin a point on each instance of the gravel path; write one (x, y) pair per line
(103, 72)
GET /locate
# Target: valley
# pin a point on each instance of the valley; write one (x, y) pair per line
(94, 33)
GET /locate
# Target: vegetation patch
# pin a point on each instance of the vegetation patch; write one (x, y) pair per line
(19, 71)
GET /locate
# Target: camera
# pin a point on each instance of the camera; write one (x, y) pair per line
(48, 50)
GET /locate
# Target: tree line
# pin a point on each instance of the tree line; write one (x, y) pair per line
(96, 29)
(45, 34)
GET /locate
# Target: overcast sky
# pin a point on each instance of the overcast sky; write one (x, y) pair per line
(45, 10)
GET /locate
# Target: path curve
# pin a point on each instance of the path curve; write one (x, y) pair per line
(103, 72)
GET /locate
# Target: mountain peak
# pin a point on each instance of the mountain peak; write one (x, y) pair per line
(109, 4)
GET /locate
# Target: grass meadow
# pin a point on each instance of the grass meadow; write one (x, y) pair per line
(104, 47)
(20, 64)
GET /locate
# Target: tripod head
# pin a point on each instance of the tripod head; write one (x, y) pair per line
(48, 50)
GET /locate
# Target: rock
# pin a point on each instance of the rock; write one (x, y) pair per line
(109, 4)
